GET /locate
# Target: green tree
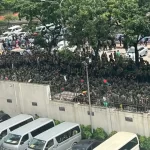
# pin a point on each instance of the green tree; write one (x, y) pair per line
(8, 5)
(132, 18)
(87, 20)
(86, 132)
(100, 134)
(47, 12)
(9, 17)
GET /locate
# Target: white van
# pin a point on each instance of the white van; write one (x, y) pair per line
(12, 124)
(19, 139)
(61, 137)
(14, 29)
(120, 141)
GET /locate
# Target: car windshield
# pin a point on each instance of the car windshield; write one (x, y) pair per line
(131, 50)
(12, 139)
(37, 144)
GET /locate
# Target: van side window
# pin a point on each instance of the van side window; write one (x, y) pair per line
(42, 129)
(21, 124)
(68, 134)
(75, 130)
(24, 139)
(49, 144)
(3, 134)
(29, 120)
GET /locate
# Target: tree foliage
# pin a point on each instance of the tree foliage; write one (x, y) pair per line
(92, 21)
(133, 20)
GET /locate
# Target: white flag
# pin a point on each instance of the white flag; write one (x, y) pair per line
(65, 78)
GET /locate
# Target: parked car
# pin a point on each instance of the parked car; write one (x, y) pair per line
(3, 117)
(143, 51)
(61, 45)
(89, 144)
(13, 29)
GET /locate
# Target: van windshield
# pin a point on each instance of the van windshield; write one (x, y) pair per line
(12, 139)
(37, 144)
(3, 134)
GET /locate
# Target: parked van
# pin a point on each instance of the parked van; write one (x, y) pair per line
(61, 137)
(19, 138)
(12, 124)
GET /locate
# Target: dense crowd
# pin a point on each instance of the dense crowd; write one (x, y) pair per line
(114, 81)
(15, 41)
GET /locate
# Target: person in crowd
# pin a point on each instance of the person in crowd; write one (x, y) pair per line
(118, 53)
(120, 40)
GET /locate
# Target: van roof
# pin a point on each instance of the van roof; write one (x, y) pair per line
(32, 125)
(55, 131)
(13, 27)
(12, 121)
(116, 141)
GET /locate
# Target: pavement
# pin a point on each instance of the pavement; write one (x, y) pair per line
(123, 52)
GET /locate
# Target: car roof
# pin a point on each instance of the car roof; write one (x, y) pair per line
(57, 130)
(13, 27)
(32, 125)
(86, 143)
(2, 114)
(12, 121)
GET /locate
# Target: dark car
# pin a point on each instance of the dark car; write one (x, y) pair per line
(3, 117)
(86, 144)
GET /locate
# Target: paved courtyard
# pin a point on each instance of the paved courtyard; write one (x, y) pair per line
(123, 52)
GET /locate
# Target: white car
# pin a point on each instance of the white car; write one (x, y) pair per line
(61, 45)
(143, 51)
(5, 36)
(13, 29)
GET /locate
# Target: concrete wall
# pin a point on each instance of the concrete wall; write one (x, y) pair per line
(18, 98)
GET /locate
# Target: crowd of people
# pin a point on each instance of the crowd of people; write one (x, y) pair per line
(114, 81)
(15, 41)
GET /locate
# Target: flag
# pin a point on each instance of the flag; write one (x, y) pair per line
(65, 78)
(81, 80)
(106, 82)
(84, 92)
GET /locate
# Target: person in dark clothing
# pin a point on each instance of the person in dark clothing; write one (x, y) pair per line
(120, 40)
(4, 45)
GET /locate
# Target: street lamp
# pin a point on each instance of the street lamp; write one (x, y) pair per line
(89, 98)
(60, 6)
